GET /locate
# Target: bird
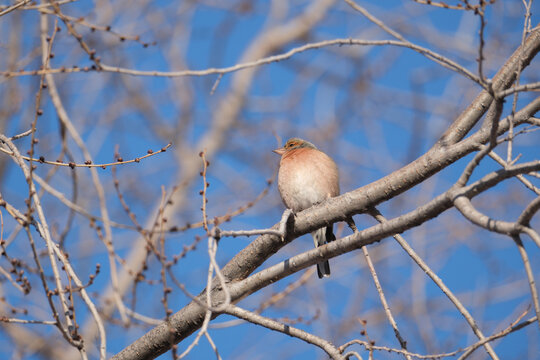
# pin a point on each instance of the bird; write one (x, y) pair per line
(307, 176)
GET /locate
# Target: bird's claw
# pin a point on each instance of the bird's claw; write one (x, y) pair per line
(283, 223)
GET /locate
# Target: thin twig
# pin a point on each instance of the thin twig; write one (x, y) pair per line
(530, 275)
(515, 326)
(430, 54)
(9, 9)
(88, 163)
(384, 303)
(437, 280)
(250, 316)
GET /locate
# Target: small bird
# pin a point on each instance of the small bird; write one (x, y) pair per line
(307, 176)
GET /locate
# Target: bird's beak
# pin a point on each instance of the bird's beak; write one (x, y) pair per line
(279, 151)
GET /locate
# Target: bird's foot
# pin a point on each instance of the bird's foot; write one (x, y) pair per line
(283, 222)
(352, 225)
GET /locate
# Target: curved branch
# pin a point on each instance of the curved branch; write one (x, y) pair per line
(257, 319)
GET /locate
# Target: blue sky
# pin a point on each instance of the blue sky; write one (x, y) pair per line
(373, 109)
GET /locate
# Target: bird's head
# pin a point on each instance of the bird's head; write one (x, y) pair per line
(293, 144)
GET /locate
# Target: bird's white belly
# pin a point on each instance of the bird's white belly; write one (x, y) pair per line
(303, 191)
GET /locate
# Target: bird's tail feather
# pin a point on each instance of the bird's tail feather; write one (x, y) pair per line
(321, 237)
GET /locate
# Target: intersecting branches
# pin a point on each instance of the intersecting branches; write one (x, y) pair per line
(297, 74)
